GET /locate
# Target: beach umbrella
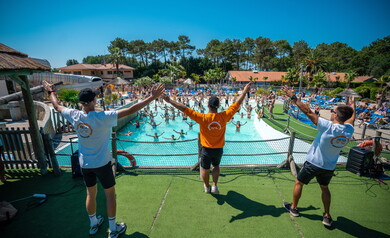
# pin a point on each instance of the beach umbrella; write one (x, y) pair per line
(348, 93)
(119, 81)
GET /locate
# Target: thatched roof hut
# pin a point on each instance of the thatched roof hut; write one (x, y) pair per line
(17, 66)
(11, 60)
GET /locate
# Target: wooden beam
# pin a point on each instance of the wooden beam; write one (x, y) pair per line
(19, 81)
(19, 71)
(36, 138)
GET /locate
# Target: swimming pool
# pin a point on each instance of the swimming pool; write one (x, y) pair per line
(250, 146)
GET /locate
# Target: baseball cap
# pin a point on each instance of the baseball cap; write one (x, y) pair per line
(87, 95)
(214, 102)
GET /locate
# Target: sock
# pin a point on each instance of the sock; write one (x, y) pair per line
(112, 223)
(92, 219)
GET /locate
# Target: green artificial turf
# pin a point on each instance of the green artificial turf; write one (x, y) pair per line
(171, 203)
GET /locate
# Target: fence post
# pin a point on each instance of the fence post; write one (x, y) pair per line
(196, 165)
(377, 141)
(290, 157)
(51, 154)
(364, 130)
(286, 130)
(114, 153)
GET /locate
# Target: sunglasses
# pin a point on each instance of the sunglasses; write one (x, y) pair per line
(333, 111)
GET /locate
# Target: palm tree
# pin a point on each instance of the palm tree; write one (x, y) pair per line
(313, 64)
(265, 79)
(292, 76)
(319, 80)
(196, 78)
(385, 79)
(349, 77)
(117, 57)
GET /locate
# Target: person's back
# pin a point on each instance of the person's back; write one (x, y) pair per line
(213, 125)
(94, 131)
(331, 138)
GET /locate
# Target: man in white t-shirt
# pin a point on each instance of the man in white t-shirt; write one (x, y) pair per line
(324, 152)
(94, 130)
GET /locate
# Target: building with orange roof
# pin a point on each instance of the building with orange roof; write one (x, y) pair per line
(270, 76)
(105, 71)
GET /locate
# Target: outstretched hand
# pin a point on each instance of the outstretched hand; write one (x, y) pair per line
(288, 91)
(47, 86)
(247, 87)
(157, 90)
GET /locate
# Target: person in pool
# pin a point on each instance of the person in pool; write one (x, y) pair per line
(155, 136)
(181, 132)
(172, 138)
(154, 125)
(239, 125)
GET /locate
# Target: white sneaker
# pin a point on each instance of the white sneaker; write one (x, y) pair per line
(94, 229)
(214, 189)
(120, 229)
(206, 189)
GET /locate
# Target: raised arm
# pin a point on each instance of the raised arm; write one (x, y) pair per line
(52, 96)
(353, 105)
(243, 94)
(303, 107)
(178, 105)
(157, 90)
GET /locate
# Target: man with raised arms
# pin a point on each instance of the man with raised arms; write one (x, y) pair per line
(324, 152)
(212, 134)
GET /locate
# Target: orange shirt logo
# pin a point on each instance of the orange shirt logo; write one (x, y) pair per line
(84, 130)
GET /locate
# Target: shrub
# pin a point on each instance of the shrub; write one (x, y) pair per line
(70, 96)
(333, 93)
(364, 91)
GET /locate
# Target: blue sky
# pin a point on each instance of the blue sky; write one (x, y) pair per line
(61, 30)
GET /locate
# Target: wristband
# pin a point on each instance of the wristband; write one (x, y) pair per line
(294, 97)
(51, 91)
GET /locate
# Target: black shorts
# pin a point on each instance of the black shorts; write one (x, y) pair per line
(309, 171)
(104, 173)
(210, 156)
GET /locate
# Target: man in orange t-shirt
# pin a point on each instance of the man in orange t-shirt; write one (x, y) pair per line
(212, 134)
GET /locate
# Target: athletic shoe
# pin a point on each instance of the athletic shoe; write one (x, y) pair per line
(120, 228)
(206, 189)
(293, 211)
(94, 229)
(214, 189)
(327, 221)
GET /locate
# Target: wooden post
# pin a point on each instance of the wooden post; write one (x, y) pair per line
(364, 130)
(377, 141)
(290, 157)
(52, 155)
(34, 130)
(196, 165)
(114, 153)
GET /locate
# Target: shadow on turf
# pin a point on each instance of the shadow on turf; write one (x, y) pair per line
(349, 227)
(249, 207)
(136, 235)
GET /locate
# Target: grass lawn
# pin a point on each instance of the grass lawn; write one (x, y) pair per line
(171, 203)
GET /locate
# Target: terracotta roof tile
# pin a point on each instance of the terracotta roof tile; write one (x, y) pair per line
(95, 67)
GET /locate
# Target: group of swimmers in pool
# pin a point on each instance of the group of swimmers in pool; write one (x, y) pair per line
(170, 114)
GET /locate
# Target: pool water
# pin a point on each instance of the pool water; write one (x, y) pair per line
(183, 152)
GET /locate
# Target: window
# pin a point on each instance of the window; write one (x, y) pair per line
(109, 72)
(127, 71)
(93, 72)
(101, 72)
(67, 72)
(77, 72)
